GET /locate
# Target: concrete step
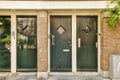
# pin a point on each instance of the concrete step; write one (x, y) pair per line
(54, 77)
(22, 77)
(69, 77)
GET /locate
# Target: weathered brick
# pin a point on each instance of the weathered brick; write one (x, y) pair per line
(42, 39)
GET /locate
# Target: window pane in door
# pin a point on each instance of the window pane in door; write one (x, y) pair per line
(26, 43)
(5, 26)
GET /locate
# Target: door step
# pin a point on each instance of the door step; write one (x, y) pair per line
(73, 77)
(22, 77)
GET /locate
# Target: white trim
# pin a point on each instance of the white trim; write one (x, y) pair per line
(74, 62)
(13, 42)
(99, 42)
(53, 4)
(49, 43)
(18, 12)
(5, 13)
(74, 14)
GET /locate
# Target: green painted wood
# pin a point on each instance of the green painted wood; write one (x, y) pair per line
(60, 46)
(4, 57)
(87, 52)
(26, 43)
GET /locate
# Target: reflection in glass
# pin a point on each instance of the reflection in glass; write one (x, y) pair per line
(5, 43)
(26, 43)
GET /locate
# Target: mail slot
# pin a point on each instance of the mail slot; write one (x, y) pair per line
(66, 50)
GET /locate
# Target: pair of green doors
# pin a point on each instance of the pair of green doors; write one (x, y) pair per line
(61, 43)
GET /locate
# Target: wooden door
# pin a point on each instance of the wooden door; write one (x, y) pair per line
(60, 46)
(86, 43)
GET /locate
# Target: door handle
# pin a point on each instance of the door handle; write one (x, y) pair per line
(79, 42)
(96, 44)
(53, 39)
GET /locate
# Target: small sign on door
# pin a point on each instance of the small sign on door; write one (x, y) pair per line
(66, 50)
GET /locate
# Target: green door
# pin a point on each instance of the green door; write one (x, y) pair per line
(26, 43)
(60, 46)
(5, 54)
(86, 43)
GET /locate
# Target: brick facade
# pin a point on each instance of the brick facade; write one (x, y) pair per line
(109, 38)
(110, 43)
(42, 42)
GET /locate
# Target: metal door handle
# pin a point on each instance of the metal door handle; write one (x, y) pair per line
(96, 44)
(79, 42)
(53, 39)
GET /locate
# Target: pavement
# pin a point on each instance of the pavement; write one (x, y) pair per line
(19, 77)
(53, 77)
(76, 77)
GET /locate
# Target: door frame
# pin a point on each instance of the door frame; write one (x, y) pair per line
(74, 14)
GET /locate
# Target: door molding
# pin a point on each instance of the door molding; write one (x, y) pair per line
(74, 14)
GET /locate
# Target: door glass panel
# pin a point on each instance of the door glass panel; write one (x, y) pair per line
(60, 30)
(5, 28)
(26, 43)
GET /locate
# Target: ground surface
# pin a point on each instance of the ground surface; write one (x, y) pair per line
(68, 77)
(75, 78)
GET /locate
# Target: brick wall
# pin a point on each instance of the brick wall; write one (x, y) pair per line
(110, 43)
(42, 41)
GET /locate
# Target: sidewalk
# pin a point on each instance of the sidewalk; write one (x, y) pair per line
(75, 77)
(21, 77)
(54, 77)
